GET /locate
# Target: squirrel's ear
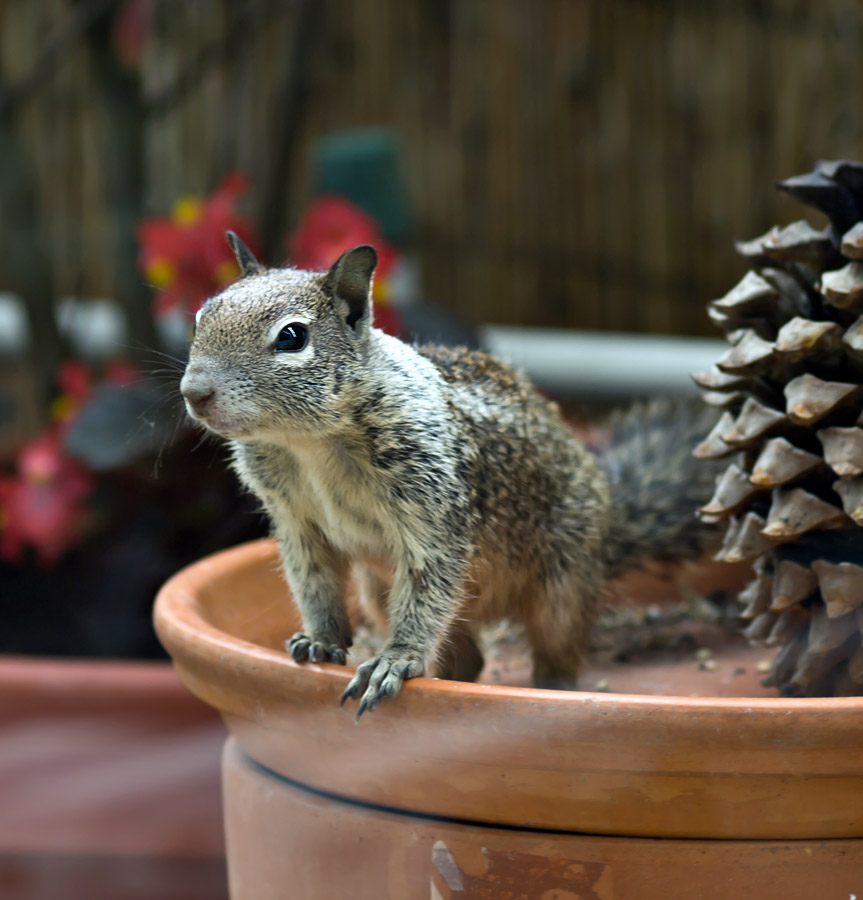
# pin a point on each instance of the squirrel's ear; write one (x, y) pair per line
(245, 258)
(349, 283)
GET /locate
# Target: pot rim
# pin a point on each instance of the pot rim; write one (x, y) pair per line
(185, 632)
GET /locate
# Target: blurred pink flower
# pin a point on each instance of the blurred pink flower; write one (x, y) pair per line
(43, 505)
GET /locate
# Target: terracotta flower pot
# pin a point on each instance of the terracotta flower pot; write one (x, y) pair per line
(109, 776)
(474, 790)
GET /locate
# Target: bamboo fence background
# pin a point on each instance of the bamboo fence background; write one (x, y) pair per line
(578, 163)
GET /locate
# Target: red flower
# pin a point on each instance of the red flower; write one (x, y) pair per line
(331, 225)
(43, 506)
(185, 256)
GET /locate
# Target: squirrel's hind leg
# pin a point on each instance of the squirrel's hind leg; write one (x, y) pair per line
(459, 658)
(558, 630)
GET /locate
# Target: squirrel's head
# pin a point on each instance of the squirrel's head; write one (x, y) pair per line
(278, 352)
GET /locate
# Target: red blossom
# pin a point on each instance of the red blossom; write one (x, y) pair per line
(185, 255)
(75, 379)
(43, 505)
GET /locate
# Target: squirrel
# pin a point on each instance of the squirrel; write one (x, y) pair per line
(452, 491)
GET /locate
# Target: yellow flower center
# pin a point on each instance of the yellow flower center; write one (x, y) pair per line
(63, 408)
(226, 272)
(381, 293)
(187, 210)
(161, 272)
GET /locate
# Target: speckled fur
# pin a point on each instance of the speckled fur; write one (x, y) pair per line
(454, 490)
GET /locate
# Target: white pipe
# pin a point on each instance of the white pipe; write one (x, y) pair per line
(603, 364)
(14, 329)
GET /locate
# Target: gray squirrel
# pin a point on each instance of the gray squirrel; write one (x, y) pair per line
(440, 479)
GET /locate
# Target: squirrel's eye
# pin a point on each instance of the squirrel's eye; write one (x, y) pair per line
(292, 338)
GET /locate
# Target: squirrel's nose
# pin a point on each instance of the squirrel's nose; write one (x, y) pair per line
(197, 391)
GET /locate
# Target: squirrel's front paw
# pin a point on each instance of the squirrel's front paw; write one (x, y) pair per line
(382, 676)
(302, 648)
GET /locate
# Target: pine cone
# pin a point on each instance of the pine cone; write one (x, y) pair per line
(790, 385)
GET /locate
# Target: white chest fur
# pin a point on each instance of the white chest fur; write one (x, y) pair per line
(321, 483)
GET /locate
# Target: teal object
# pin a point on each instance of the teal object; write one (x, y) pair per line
(365, 167)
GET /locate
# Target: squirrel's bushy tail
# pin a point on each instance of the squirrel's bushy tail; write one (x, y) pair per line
(656, 484)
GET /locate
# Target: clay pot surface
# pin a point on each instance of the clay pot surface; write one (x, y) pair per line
(723, 767)
(106, 757)
(285, 840)
(109, 778)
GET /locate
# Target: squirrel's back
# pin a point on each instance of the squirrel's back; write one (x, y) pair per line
(653, 483)
(533, 482)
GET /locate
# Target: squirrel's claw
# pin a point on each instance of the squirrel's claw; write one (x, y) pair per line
(302, 648)
(350, 691)
(298, 647)
(380, 677)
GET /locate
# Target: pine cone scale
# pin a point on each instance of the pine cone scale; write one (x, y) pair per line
(791, 386)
